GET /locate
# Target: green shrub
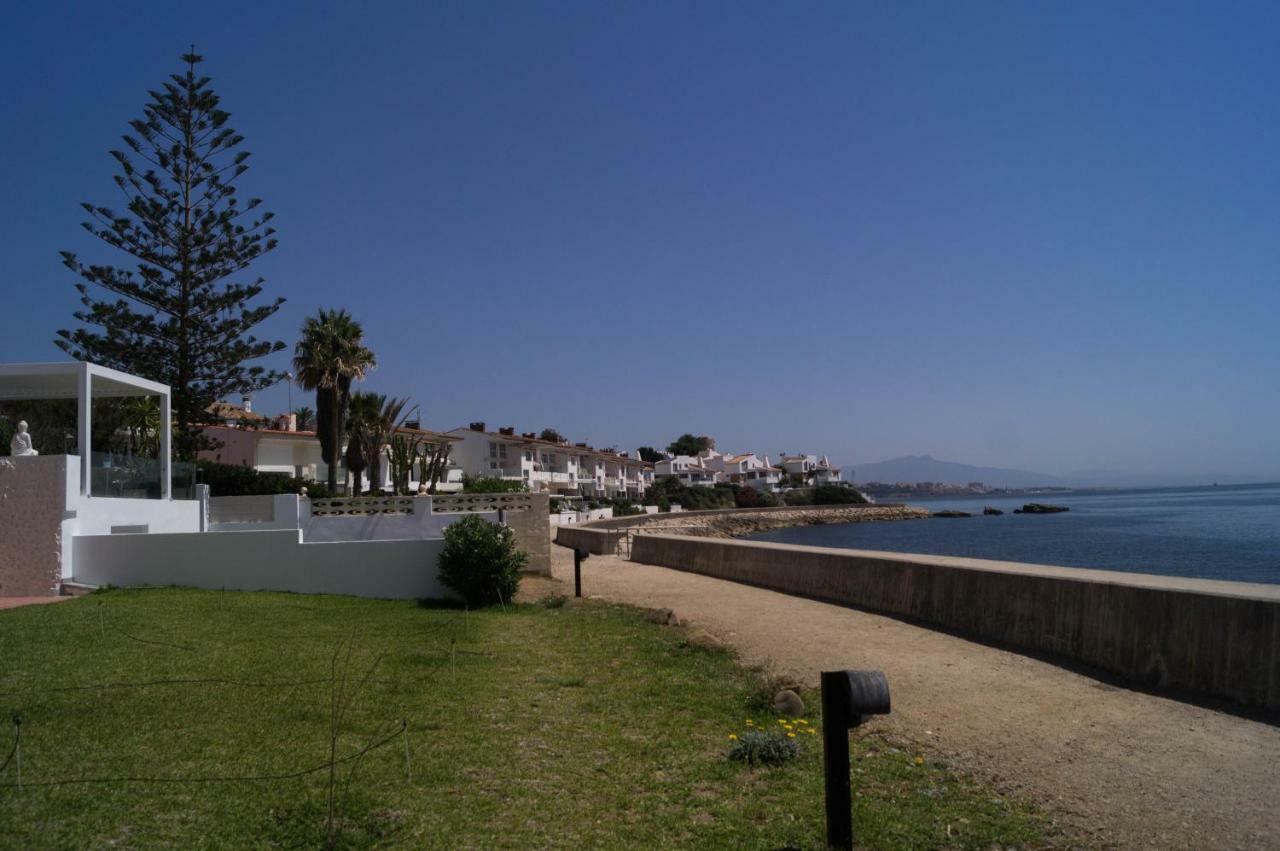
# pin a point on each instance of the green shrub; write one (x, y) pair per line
(798, 496)
(490, 484)
(624, 507)
(764, 747)
(749, 497)
(836, 495)
(669, 489)
(480, 562)
(236, 480)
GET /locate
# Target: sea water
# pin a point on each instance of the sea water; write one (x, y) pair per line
(1229, 532)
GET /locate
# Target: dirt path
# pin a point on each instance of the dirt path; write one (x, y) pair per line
(1122, 767)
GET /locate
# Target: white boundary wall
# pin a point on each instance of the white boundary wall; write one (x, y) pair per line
(271, 560)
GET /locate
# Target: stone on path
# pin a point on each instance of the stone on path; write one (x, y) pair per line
(787, 702)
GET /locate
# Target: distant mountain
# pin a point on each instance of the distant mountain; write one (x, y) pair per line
(925, 468)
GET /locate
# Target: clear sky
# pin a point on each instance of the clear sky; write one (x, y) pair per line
(1041, 235)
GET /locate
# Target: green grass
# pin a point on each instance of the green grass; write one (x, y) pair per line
(580, 726)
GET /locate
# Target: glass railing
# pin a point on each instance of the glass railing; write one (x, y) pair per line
(124, 477)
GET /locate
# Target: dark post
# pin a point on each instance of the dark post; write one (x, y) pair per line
(578, 557)
(847, 696)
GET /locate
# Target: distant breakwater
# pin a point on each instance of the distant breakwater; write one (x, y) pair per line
(737, 524)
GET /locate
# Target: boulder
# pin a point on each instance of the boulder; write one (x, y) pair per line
(787, 702)
(660, 616)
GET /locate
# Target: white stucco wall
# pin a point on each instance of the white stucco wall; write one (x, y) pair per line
(273, 560)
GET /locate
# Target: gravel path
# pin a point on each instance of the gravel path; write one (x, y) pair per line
(1118, 767)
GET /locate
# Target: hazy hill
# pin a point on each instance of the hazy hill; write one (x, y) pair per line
(925, 468)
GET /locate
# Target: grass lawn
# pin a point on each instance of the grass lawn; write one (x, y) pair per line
(581, 726)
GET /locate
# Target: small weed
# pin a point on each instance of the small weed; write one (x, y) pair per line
(553, 601)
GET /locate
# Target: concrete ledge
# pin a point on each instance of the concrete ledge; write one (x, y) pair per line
(1220, 639)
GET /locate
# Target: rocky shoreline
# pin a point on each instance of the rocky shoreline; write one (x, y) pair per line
(739, 523)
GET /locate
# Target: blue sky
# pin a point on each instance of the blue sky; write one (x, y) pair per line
(1040, 235)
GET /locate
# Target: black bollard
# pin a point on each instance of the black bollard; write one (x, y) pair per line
(578, 557)
(847, 697)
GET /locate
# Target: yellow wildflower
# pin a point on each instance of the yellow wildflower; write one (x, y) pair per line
(791, 735)
(750, 723)
(801, 721)
(733, 737)
(919, 760)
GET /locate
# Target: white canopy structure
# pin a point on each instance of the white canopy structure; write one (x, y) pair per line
(84, 381)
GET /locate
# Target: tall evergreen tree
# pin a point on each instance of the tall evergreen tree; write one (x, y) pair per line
(175, 315)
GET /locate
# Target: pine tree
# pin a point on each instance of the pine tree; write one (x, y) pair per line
(174, 315)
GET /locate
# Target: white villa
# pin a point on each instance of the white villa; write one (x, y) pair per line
(297, 453)
(810, 470)
(746, 468)
(691, 470)
(546, 466)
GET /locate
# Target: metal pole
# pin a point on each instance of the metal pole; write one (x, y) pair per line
(577, 573)
(835, 758)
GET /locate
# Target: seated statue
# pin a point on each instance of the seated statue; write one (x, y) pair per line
(20, 445)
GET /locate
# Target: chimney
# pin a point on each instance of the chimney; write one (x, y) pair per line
(581, 445)
(477, 426)
(413, 424)
(507, 430)
(529, 435)
(247, 403)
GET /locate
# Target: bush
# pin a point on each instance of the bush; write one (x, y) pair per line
(764, 747)
(490, 484)
(624, 507)
(669, 489)
(798, 496)
(749, 497)
(480, 562)
(236, 480)
(836, 495)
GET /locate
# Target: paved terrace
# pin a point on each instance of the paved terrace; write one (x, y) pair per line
(1119, 767)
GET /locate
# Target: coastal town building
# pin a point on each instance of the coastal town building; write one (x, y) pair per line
(545, 466)
(809, 470)
(746, 468)
(278, 446)
(691, 470)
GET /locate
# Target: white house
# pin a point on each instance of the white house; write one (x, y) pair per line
(810, 470)
(691, 470)
(297, 453)
(546, 466)
(747, 469)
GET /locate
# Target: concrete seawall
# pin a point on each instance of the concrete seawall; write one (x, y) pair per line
(1219, 639)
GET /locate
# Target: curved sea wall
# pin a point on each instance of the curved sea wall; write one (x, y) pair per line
(1220, 639)
(602, 537)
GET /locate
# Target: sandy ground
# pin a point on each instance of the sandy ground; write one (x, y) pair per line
(1117, 767)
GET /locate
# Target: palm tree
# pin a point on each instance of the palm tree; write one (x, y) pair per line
(303, 416)
(374, 420)
(364, 411)
(330, 355)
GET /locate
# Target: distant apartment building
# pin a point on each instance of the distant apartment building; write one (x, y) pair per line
(545, 466)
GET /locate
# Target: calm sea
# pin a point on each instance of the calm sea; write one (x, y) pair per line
(1230, 532)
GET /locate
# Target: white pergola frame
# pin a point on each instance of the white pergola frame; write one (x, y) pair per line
(74, 380)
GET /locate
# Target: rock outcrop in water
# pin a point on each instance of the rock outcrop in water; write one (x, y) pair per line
(1040, 508)
(992, 512)
(951, 513)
